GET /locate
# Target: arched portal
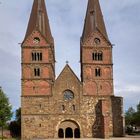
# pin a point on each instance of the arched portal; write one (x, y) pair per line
(69, 129)
(77, 133)
(68, 133)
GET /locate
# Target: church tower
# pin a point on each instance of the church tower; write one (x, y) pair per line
(38, 60)
(96, 54)
(38, 65)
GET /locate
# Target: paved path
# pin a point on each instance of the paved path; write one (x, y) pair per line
(123, 138)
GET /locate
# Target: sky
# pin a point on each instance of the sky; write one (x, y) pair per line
(66, 17)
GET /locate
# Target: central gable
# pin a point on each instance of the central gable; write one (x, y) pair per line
(67, 80)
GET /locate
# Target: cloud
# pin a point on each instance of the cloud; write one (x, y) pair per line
(131, 94)
(67, 20)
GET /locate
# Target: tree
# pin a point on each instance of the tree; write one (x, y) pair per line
(15, 126)
(137, 115)
(5, 110)
(138, 107)
(132, 119)
(129, 116)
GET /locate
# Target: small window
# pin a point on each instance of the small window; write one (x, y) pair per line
(40, 106)
(37, 72)
(73, 107)
(40, 56)
(97, 72)
(94, 56)
(63, 108)
(100, 56)
(33, 87)
(33, 56)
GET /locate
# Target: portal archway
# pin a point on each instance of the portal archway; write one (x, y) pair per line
(69, 129)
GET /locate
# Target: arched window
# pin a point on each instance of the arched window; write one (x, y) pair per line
(33, 56)
(36, 72)
(100, 56)
(97, 72)
(40, 56)
(94, 56)
(97, 56)
(36, 56)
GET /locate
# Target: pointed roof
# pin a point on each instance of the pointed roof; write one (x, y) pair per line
(39, 21)
(94, 20)
(68, 69)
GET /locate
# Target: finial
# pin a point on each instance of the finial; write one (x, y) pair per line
(67, 62)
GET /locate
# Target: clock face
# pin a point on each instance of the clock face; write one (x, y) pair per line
(68, 95)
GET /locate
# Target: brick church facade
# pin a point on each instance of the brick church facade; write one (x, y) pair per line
(66, 106)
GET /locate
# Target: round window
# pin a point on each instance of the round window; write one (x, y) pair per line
(36, 40)
(97, 41)
(68, 95)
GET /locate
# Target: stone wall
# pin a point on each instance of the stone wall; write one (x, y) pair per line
(118, 118)
(42, 116)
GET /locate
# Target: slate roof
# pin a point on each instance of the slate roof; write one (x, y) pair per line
(94, 20)
(39, 21)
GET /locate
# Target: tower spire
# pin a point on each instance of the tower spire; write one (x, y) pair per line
(94, 20)
(39, 21)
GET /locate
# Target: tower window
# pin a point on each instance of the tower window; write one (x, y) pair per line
(97, 72)
(100, 56)
(94, 56)
(36, 56)
(37, 72)
(97, 56)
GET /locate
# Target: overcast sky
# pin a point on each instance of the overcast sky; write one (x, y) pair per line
(122, 19)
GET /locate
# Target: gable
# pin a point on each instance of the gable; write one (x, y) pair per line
(32, 41)
(90, 41)
(67, 80)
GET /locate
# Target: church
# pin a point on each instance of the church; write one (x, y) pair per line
(66, 106)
